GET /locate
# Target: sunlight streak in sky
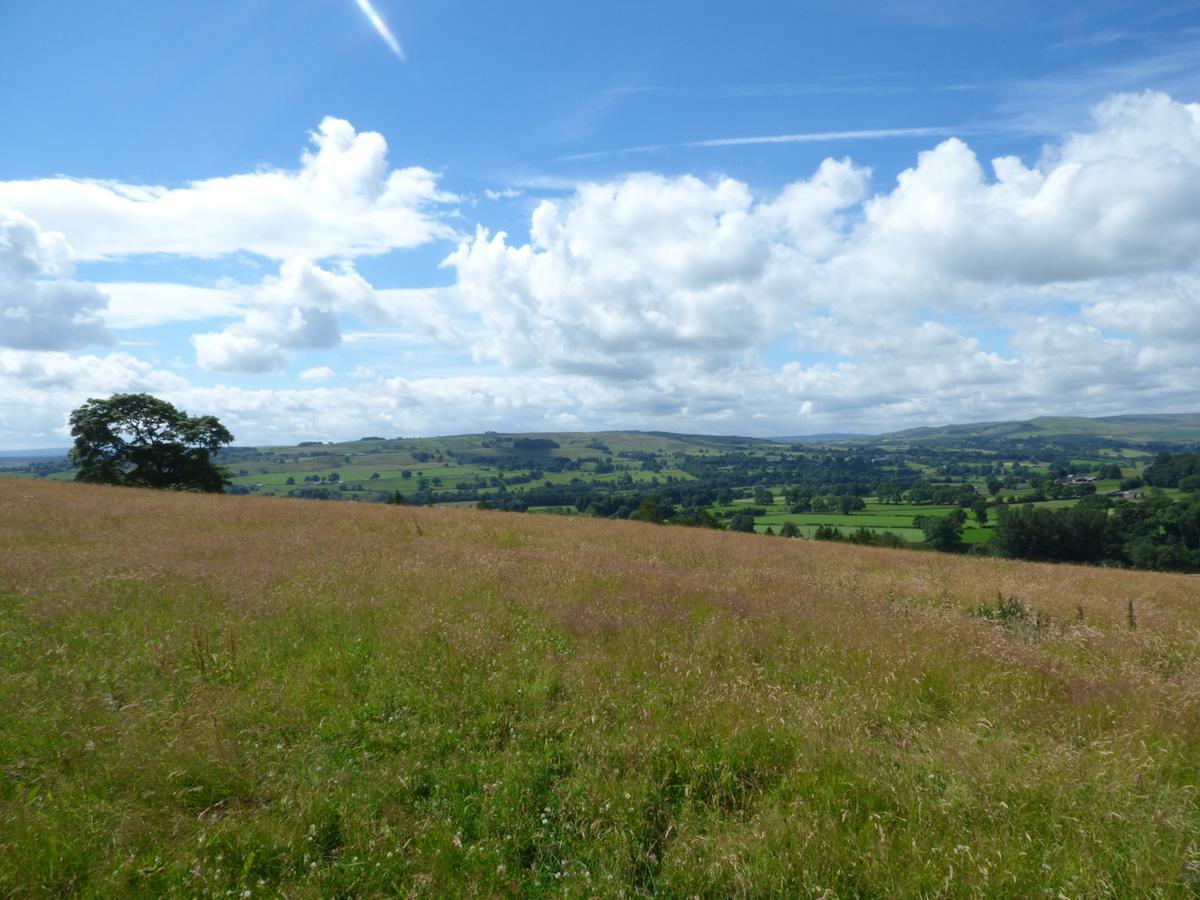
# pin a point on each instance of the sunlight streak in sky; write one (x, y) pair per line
(381, 26)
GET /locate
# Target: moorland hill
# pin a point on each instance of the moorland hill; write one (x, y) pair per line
(1163, 429)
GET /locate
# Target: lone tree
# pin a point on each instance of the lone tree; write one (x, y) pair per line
(141, 441)
(944, 532)
(743, 521)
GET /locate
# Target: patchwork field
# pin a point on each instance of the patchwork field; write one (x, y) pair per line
(205, 696)
(895, 518)
(438, 467)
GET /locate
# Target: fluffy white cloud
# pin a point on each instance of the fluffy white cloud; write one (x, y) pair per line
(342, 201)
(626, 271)
(40, 309)
(436, 313)
(146, 304)
(298, 309)
(1122, 198)
(39, 389)
(1163, 308)
(58, 371)
(668, 286)
(940, 376)
(317, 373)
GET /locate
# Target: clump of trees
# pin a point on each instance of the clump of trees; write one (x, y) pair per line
(742, 521)
(1169, 471)
(1155, 533)
(861, 535)
(141, 441)
(1081, 533)
(943, 532)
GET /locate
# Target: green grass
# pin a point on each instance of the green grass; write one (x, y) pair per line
(206, 696)
(897, 518)
(976, 534)
(809, 529)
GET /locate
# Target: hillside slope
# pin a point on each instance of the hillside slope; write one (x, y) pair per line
(201, 695)
(501, 445)
(1181, 428)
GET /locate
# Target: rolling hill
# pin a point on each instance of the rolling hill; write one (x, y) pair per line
(211, 695)
(569, 443)
(1177, 429)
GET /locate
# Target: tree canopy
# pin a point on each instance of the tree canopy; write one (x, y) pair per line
(944, 532)
(142, 441)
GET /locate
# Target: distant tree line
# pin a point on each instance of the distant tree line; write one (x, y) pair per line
(1153, 533)
(1169, 471)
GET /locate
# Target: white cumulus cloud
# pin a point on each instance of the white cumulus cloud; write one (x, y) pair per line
(343, 201)
(145, 304)
(1122, 198)
(626, 271)
(296, 310)
(40, 309)
(672, 285)
(317, 373)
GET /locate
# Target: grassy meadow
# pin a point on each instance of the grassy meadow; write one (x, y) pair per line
(215, 696)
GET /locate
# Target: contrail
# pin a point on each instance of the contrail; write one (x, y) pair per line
(381, 26)
(803, 138)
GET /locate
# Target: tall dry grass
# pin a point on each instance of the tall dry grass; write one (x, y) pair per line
(204, 695)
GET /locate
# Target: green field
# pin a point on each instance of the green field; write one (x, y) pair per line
(845, 526)
(895, 518)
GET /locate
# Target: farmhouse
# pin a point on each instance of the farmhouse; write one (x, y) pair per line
(1125, 495)
(1078, 479)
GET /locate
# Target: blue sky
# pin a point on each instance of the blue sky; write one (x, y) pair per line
(765, 218)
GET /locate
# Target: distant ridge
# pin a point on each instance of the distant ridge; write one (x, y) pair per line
(41, 453)
(1162, 428)
(826, 436)
(1136, 429)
